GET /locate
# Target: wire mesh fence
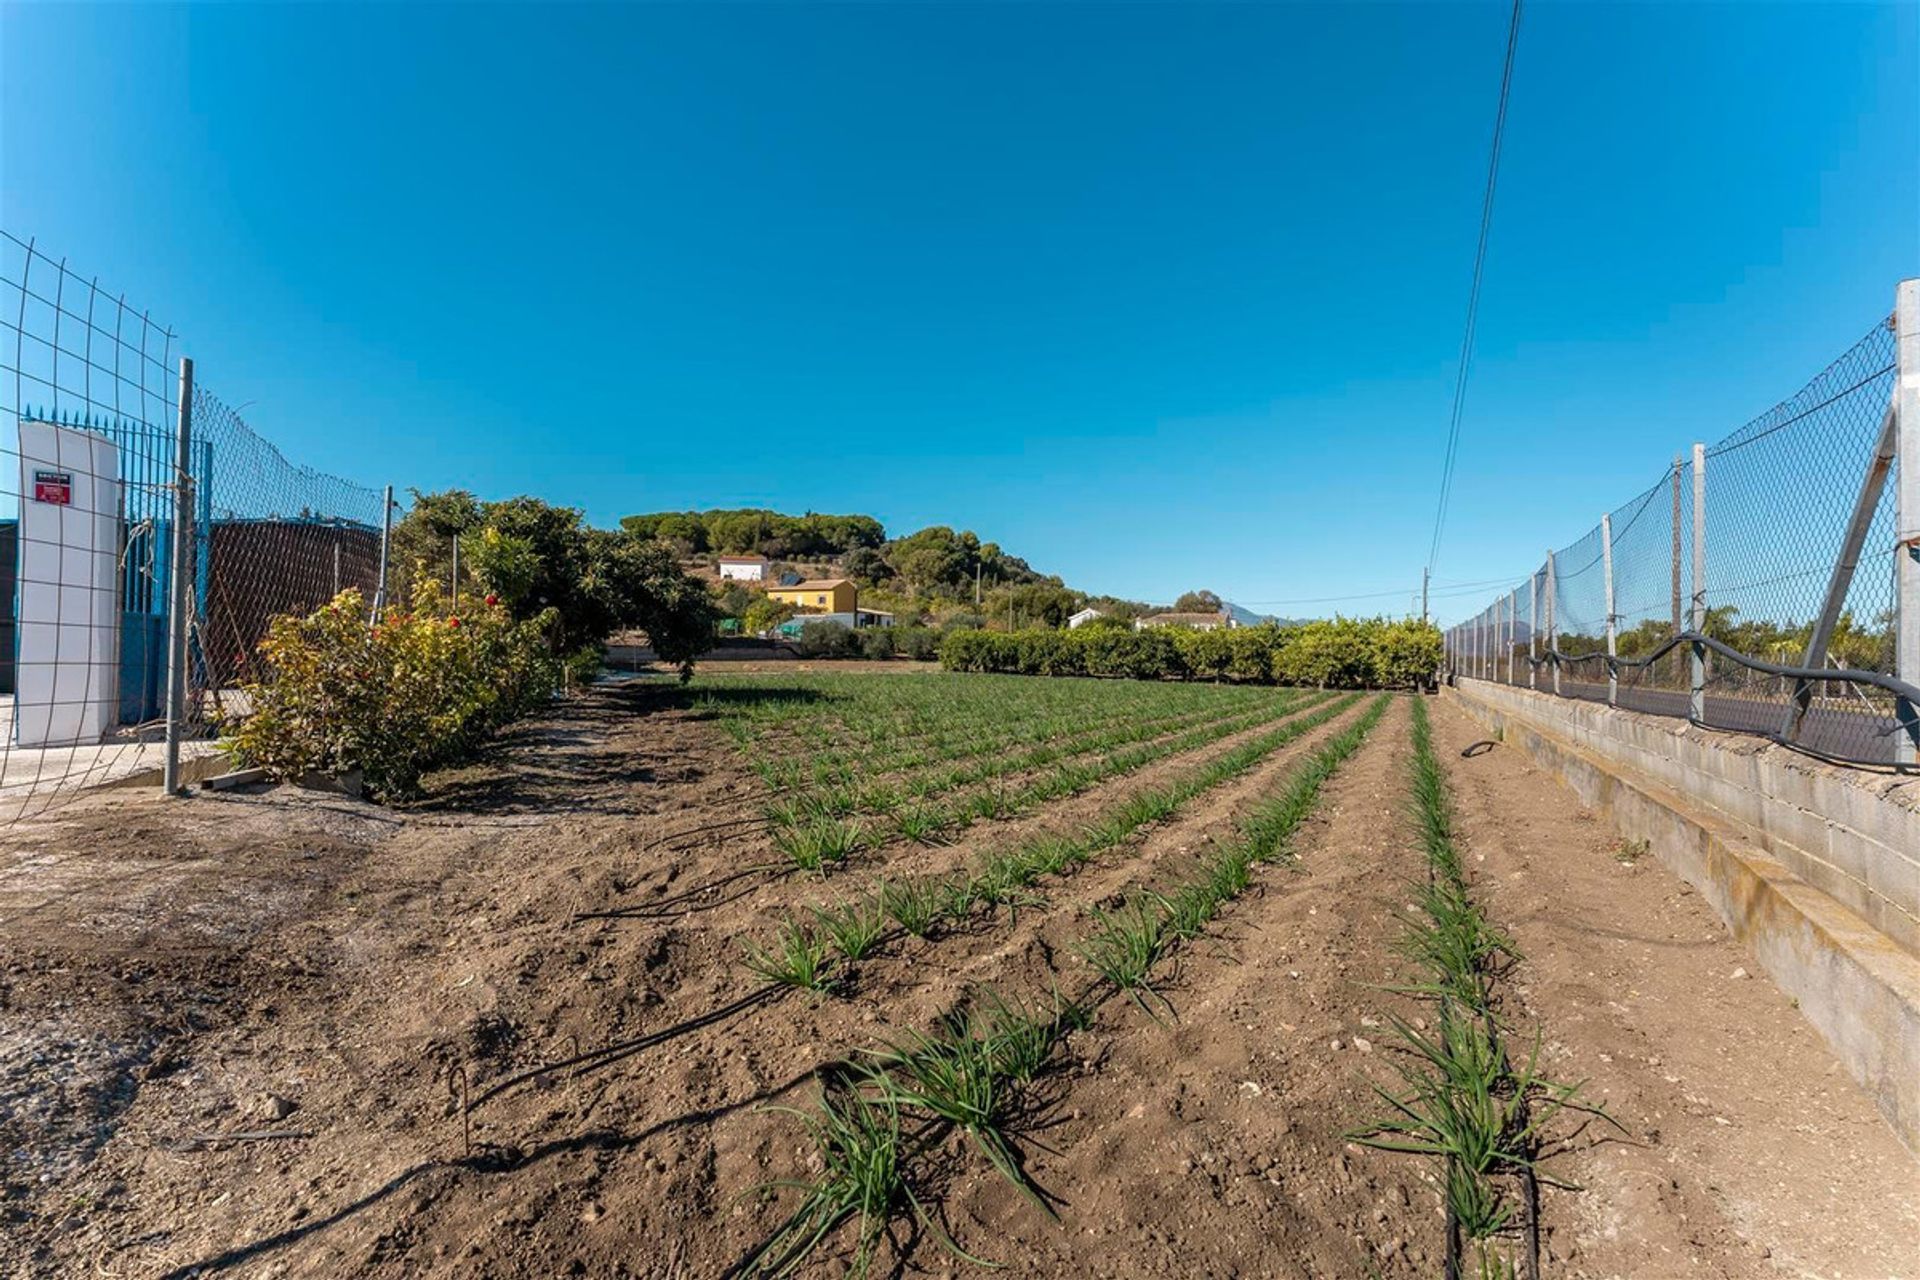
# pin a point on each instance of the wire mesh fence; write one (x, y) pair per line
(94, 539)
(1752, 587)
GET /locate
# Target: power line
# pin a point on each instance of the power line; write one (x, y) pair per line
(1439, 591)
(1473, 294)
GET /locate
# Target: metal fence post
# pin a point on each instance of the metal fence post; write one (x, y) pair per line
(1552, 651)
(1678, 466)
(1906, 608)
(1840, 581)
(1499, 637)
(386, 537)
(1533, 630)
(1613, 647)
(1506, 642)
(1697, 697)
(1513, 626)
(180, 581)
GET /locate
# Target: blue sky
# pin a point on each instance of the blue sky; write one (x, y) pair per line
(1156, 296)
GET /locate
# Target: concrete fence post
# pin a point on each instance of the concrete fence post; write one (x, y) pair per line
(1906, 609)
(1697, 695)
(180, 582)
(1613, 648)
(1552, 651)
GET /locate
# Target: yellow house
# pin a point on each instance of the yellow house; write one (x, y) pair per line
(823, 595)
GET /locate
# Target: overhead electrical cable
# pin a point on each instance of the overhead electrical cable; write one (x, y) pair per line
(1473, 294)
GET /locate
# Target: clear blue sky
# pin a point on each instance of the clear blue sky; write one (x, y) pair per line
(1156, 296)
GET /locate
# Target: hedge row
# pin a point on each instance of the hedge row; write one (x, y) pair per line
(1345, 653)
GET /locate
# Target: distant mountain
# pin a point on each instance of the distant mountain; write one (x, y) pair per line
(1245, 617)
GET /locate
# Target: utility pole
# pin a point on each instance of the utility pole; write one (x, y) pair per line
(1424, 575)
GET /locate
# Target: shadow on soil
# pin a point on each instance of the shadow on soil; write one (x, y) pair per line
(487, 1160)
(564, 765)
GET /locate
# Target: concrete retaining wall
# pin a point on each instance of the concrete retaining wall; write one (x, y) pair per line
(1688, 792)
(1852, 833)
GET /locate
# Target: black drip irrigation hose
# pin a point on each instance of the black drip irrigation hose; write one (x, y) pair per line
(594, 1059)
(1906, 718)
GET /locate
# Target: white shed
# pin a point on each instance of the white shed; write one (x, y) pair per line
(743, 568)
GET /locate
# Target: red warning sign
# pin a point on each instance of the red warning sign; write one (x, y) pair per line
(55, 487)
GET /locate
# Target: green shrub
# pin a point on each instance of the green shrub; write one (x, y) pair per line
(876, 643)
(828, 640)
(922, 644)
(1344, 653)
(393, 700)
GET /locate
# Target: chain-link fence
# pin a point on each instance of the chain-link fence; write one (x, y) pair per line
(90, 502)
(1753, 587)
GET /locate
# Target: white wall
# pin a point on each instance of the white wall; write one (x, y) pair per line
(743, 572)
(68, 670)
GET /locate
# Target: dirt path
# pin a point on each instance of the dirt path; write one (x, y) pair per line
(1748, 1151)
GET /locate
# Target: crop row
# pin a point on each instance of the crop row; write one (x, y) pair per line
(882, 1114)
(921, 905)
(940, 715)
(1461, 1099)
(815, 829)
(898, 761)
(817, 953)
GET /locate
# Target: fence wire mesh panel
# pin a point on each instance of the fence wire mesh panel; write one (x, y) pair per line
(90, 537)
(1781, 497)
(275, 539)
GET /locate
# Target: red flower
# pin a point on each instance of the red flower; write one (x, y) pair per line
(492, 599)
(453, 622)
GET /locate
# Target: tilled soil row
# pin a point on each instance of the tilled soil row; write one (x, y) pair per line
(691, 1099)
(677, 884)
(696, 1093)
(479, 969)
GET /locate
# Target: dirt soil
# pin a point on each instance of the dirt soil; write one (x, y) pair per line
(1748, 1150)
(229, 1024)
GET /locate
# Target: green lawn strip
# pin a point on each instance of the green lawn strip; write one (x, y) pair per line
(968, 1075)
(808, 845)
(1460, 1099)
